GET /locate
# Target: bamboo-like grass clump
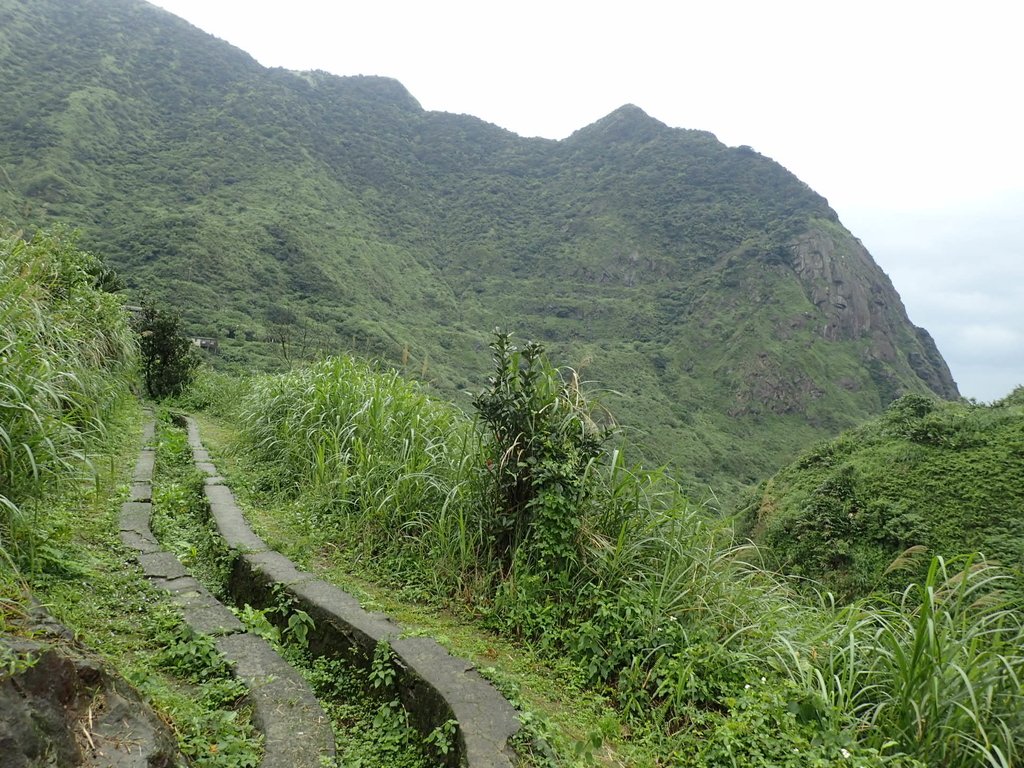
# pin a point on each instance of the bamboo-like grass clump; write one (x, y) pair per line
(67, 355)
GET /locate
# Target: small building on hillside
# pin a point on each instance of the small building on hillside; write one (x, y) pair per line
(205, 342)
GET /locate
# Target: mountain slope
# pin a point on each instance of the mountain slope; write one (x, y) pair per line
(716, 295)
(945, 476)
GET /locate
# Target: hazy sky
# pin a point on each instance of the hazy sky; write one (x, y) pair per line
(906, 115)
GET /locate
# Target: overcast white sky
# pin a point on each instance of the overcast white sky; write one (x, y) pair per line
(906, 115)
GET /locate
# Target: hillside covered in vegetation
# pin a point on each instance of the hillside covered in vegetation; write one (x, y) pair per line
(728, 314)
(713, 303)
(660, 639)
(526, 520)
(940, 477)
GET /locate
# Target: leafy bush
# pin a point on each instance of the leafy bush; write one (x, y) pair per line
(169, 360)
(542, 442)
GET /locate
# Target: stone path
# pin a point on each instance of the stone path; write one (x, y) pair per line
(297, 733)
(435, 687)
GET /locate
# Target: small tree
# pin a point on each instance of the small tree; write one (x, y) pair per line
(543, 441)
(169, 360)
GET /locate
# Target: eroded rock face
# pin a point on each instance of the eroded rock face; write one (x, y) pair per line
(61, 707)
(858, 301)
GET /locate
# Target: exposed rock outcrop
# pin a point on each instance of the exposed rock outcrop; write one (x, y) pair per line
(858, 301)
(61, 706)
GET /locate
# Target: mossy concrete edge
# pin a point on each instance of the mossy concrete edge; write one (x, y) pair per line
(435, 686)
(297, 732)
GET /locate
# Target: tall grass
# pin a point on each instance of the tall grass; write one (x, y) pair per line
(66, 356)
(935, 670)
(660, 606)
(390, 471)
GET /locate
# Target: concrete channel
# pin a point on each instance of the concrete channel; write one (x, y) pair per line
(297, 732)
(435, 687)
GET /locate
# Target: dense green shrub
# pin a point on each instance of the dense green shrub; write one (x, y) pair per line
(541, 444)
(169, 359)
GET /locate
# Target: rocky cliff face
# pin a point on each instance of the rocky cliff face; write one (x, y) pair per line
(859, 302)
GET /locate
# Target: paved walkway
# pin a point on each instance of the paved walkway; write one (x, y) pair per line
(297, 733)
(436, 688)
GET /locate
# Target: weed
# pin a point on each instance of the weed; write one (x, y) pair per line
(257, 622)
(181, 517)
(298, 628)
(192, 656)
(371, 726)
(442, 739)
(382, 669)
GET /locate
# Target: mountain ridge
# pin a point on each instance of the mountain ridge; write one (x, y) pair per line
(696, 281)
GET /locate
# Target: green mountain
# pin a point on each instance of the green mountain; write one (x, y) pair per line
(718, 299)
(948, 477)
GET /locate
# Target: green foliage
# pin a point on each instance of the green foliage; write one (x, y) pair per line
(66, 356)
(385, 469)
(217, 738)
(765, 728)
(945, 477)
(371, 725)
(542, 444)
(257, 621)
(709, 659)
(934, 672)
(169, 359)
(382, 669)
(295, 624)
(193, 656)
(298, 627)
(442, 739)
(290, 214)
(216, 392)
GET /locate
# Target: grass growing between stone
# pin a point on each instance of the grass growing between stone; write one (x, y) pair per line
(371, 726)
(69, 437)
(97, 591)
